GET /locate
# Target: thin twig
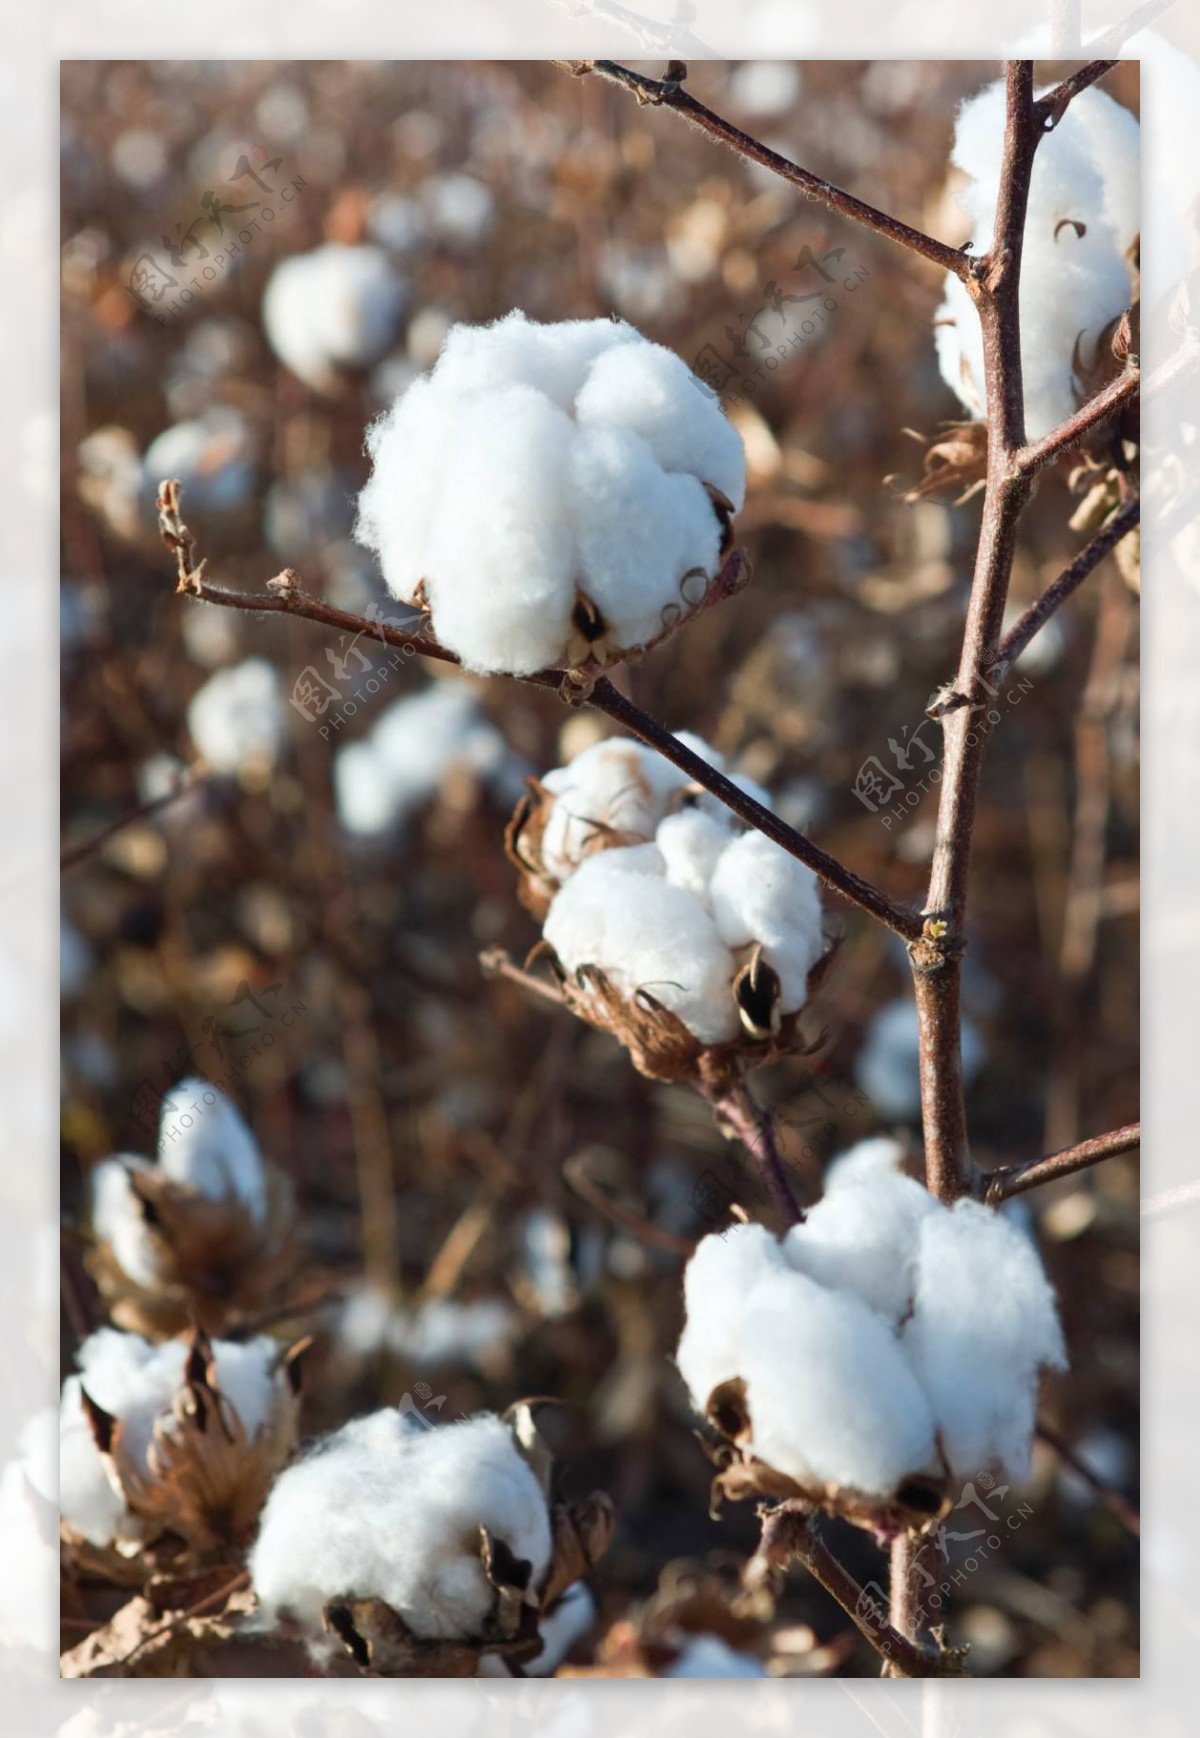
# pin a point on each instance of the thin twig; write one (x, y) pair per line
(188, 779)
(1036, 455)
(495, 963)
(669, 93)
(1048, 110)
(738, 1111)
(1055, 595)
(1002, 1184)
(1112, 1499)
(578, 1175)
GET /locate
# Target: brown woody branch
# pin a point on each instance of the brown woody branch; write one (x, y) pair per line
(669, 93)
(286, 596)
(1048, 110)
(1055, 595)
(1112, 1499)
(1115, 396)
(1002, 1184)
(738, 1112)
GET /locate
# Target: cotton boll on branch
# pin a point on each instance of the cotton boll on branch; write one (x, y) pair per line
(723, 1271)
(762, 895)
(615, 788)
(118, 1218)
(204, 1142)
(237, 719)
(335, 308)
(543, 515)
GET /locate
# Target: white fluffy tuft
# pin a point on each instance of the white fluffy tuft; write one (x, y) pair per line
(336, 307)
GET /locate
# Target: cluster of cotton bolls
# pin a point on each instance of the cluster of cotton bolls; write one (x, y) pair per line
(137, 1384)
(237, 719)
(658, 886)
(553, 495)
(405, 759)
(391, 1508)
(1081, 230)
(333, 309)
(886, 1339)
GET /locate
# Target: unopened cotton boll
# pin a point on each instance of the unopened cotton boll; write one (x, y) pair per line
(237, 718)
(984, 1323)
(1080, 228)
(389, 1508)
(545, 492)
(335, 308)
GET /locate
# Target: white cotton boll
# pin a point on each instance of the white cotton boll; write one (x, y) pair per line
(204, 1142)
(237, 719)
(984, 1323)
(502, 551)
(831, 1396)
(516, 351)
(615, 784)
(119, 1220)
(650, 390)
(764, 87)
(458, 209)
(724, 1269)
(691, 843)
(641, 530)
(707, 1656)
(645, 934)
(362, 793)
(389, 1508)
(410, 448)
(445, 1333)
(760, 893)
(336, 307)
(887, 1066)
(861, 1236)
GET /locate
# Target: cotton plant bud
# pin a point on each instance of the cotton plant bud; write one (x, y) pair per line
(202, 1233)
(182, 1438)
(555, 496)
(1078, 254)
(422, 1547)
(882, 1353)
(330, 310)
(237, 720)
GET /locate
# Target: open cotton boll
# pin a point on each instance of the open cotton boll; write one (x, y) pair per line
(831, 1396)
(237, 719)
(724, 1269)
(118, 1218)
(544, 518)
(644, 934)
(760, 893)
(691, 844)
(336, 307)
(389, 1508)
(984, 1324)
(204, 1142)
(617, 786)
(862, 1234)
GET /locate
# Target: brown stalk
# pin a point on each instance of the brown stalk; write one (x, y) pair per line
(1012, 1180)
(1042, 608)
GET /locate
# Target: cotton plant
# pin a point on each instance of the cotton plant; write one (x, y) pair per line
(237, 720)
(201, 1232)
(691, 938)
(1078, 267)
(554, 496)
(425, 1549)
(857, 1363)
(333, 310)
(179, 1440)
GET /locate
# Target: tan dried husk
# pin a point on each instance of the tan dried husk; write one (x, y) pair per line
(380, 1642)
(205, 1480)
(216, 1261)
(917, 1503)
(954, 459)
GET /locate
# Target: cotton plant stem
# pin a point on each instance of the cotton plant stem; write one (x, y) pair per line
(74, 854)
(285, 595)
(738, 1112)
(1112, 1499)
(669, 93)
(1030, 458)
(1010, 1180)
(1049, 109)
(1055, 595)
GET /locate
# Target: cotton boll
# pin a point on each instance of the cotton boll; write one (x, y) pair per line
(554, 359)
(707, 1656)
(615, 785)
(389, 1508)
(691, 844)
(830, 1394)
(458, 209)
(984, 1323)
(334, 308)
(645, 934)
(445, 1333)
(724, 1269)
(861, 1237)
(410, 448)
(764, 87)
(760, 893)
(361, 791)
(237, 719)
(650, 390)
(204, 1142)
(641, 530)
(118, 1218)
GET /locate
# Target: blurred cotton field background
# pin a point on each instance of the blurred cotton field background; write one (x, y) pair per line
(301, 925)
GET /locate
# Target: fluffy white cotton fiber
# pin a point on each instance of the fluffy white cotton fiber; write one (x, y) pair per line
(390, 1508)
(237, 718)
(337, 307)
(544, 485)
(883, 1333)
(668, 896)
(1081, 224)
